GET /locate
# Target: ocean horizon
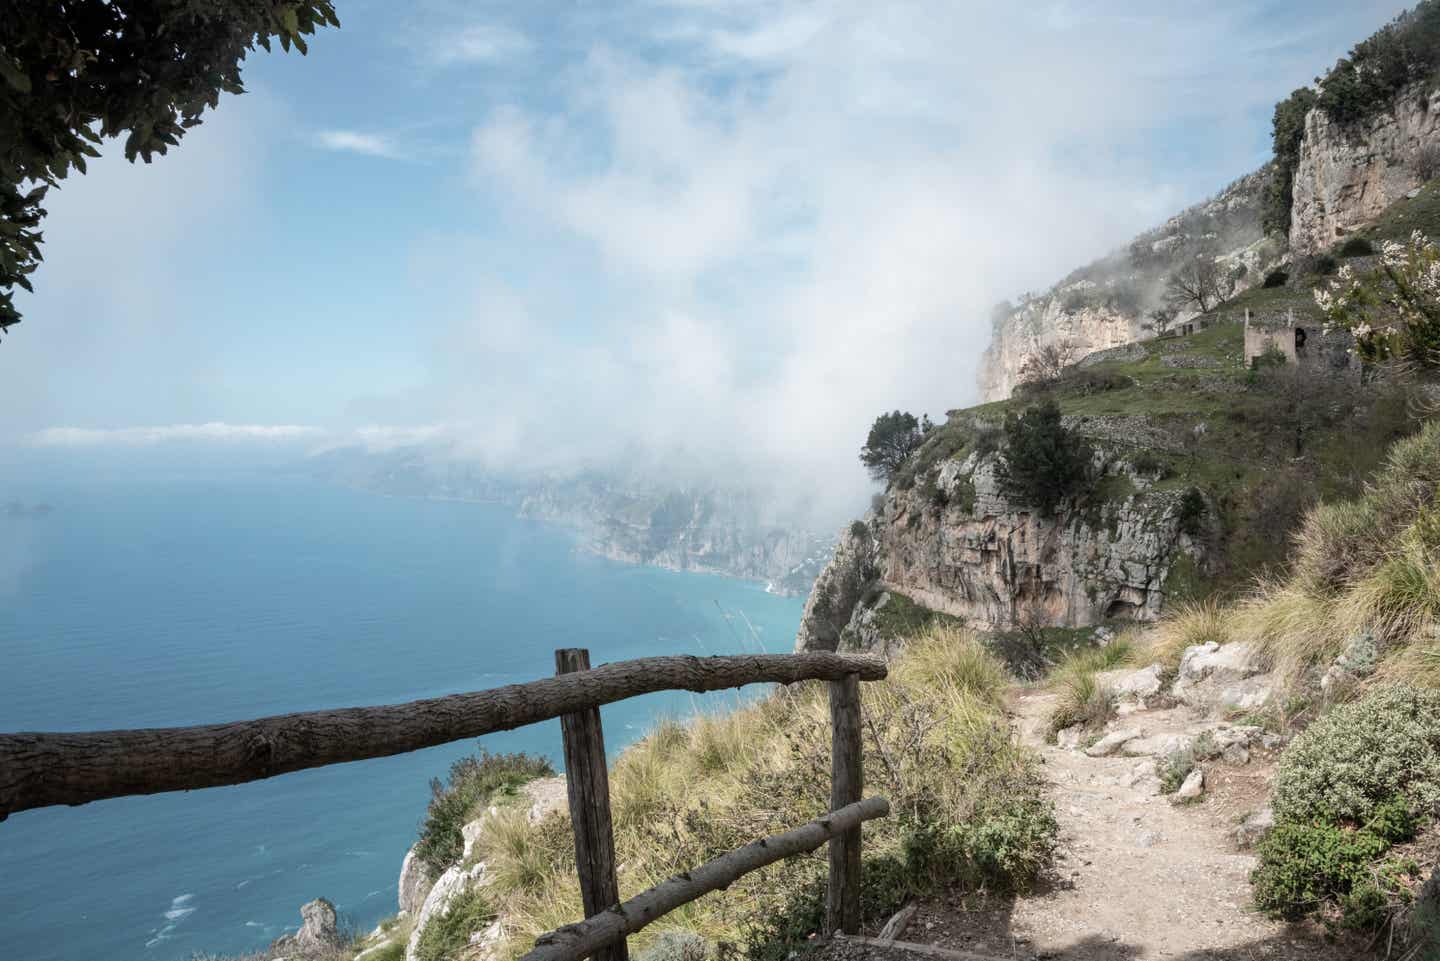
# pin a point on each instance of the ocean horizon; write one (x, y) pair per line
(186, 600)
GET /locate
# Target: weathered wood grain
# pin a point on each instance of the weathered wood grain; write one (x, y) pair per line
(576, 941)
(847, 781)
(588, 785)
(42, 769)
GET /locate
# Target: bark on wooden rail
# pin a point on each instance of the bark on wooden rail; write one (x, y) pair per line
(588, 785)
(581, 940)
(42, 769)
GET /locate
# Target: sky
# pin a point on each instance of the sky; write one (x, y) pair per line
(553, 233)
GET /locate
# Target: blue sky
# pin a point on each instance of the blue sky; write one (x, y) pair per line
(552, 231)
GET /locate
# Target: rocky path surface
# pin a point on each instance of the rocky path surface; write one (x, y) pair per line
(1137, 877)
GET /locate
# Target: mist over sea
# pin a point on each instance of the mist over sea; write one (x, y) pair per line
(184, 600)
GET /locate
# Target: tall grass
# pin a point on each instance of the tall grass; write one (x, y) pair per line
(1366, 566)
(1084, 698)
(968, 806)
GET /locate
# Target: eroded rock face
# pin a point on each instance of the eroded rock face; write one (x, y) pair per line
(543, 797)
(1348, 176)
(317, 933)
(954, 544)
(1103, 306)
(415, 882)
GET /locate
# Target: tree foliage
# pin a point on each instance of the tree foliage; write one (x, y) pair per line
(1393, 310)
(74, 73)
(1287, 131)
(1042, 462)
(892, 439)
(1358, 87)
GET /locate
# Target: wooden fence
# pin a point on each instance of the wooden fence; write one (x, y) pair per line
(45, 769)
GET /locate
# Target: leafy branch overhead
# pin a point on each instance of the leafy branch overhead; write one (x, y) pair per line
(75, 73)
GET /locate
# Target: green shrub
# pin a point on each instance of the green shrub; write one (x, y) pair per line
(859, 530)
(1361, 756)
(474, 782)
(395, 951)
(1356, 247)
(1192, 512)
(1303, 866)
(1148, 462)
(444, 936)
(1043, 462)
(1276, 278)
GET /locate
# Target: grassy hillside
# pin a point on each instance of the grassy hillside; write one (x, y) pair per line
(1262, 446)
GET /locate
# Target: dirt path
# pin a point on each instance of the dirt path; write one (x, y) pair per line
(1137, 877)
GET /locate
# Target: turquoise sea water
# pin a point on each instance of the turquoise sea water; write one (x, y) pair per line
(184, 601)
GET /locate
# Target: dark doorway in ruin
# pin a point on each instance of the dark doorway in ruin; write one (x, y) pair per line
(1300, 337)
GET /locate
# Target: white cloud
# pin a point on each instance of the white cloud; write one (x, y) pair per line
(486, 43)
(168, 433)
(352, 141)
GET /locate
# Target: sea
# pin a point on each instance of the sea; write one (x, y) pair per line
(177, 600)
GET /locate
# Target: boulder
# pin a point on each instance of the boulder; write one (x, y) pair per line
(1069, 738)
(1111, 743)
(317, 934)
(546, 796)
(1193, 787)
(1254, 826)
(415, 882)
(1214, 678)
(1157, 745)
(1356, 662)
(1135, 687)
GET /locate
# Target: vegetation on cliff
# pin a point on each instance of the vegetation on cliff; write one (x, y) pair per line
(1356, 89)
(969, 807)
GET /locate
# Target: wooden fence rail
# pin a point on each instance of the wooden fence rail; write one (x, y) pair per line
(43, 769)
(580, 940)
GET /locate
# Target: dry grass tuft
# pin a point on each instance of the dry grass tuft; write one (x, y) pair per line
(968, 805)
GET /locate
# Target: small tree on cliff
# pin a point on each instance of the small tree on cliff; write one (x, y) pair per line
(1042, 462)
(893, 438)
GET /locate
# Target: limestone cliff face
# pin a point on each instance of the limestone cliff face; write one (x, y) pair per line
(1106, 303)
(953, 543)
(1046, 321)
(1348, 175)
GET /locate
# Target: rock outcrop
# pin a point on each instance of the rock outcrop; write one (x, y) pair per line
(317, 935)
(1348, 175)
(953, 544)
(1106, 304)
(543, 797)
(415, 882)
(1218, 679)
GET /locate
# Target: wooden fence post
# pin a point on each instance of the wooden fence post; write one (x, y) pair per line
(847, 780)
(588, 785)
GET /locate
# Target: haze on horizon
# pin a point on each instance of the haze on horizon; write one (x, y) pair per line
(677, 231)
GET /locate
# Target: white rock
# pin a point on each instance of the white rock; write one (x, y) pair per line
(1132, 686)
(1068, 739)
(449, 885)
(1158, 744)
(1212, 677)
(1112, 742)
(415, 882)
(1193, 787)
(317, 932)
(1255, 826)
